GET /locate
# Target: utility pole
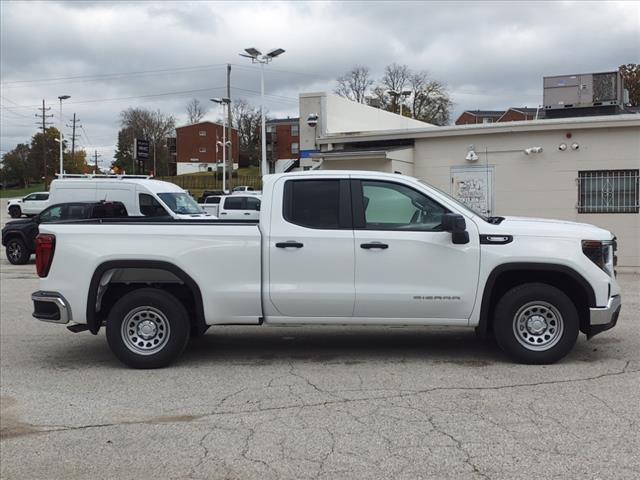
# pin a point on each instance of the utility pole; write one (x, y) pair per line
(44, 117)
(96, 155)
(229, 170)
(73, 136)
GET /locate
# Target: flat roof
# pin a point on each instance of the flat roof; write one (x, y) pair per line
(604, 121)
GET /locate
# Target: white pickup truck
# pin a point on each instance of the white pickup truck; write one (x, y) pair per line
(233, 207)
(31, 205)
(332, 248)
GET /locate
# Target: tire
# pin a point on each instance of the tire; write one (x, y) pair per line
(148, 328)
(536, 323)
(17, 252)
(15, 212)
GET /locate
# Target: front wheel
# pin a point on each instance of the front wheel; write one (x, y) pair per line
(15, 212)
(17, 252)
(148, 328)
(536, 323)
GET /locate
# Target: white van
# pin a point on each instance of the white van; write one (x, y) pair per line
(141, 195)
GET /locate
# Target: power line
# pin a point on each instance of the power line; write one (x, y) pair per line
(118, 75)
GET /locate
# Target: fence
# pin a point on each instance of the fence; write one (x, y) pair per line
(195, 183)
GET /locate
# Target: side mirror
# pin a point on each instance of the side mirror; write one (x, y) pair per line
(455, 223)
(258, 207)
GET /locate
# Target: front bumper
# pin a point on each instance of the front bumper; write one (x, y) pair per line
(604, 318)
(51, 307)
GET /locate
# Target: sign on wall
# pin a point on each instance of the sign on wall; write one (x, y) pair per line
(473, 186)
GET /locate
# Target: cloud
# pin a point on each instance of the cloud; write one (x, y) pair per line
(490, 54)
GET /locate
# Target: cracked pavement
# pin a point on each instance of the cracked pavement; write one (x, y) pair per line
(314, 403)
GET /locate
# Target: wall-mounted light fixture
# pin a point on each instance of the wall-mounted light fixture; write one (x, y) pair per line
(471, 155)
(532, 150)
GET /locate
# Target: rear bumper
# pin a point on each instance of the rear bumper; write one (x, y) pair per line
(51, 307)
(604, 318)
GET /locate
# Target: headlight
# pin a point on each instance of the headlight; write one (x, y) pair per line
(600, 252)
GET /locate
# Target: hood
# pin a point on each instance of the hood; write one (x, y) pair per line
(14, 201)
(184, 216)
(17, 223)
(546, 227)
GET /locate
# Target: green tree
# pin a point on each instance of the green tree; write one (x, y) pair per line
(124, 151)
(16, 166)
(77, 163)
(50, 149)
(631, 75)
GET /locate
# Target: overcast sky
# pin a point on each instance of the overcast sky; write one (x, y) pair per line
(158, 55)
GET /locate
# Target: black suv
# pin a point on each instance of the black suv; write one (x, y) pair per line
(19, 236)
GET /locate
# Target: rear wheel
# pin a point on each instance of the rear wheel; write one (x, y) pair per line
(536, 323)
(17, 252)
(15, 212)
(148, 328)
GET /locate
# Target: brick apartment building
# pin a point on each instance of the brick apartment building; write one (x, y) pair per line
(513, 114)
(479, 116)
(283, 139)
(196, 149)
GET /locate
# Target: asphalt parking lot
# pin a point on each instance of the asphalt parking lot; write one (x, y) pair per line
(330, 403)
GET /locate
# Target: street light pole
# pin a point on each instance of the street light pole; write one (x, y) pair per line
(399, 95)
(264, 168)
(61, 98)
(256, 56)
(224, 144)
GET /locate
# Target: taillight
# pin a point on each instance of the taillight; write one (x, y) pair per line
(45, 247)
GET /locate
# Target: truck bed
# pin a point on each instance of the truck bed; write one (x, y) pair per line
(222, 258)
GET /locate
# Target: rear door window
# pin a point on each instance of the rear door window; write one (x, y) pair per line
(322, 204)
(235, 203)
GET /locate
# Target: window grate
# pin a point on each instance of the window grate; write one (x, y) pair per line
(608, 191)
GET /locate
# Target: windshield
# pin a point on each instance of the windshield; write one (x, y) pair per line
(181, 203)
(457, 202)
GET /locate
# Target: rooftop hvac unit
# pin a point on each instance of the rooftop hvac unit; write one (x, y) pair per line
(583, 90)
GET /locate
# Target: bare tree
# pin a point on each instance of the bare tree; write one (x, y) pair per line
(396, 77)
(354, 84)
(431, 102)
(247, 120)
(151, 125)
(195, 111)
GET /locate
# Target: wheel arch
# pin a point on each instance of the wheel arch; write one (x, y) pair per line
(11, 235)
(506, 276)
(97, 289)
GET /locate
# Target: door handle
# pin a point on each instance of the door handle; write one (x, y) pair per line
(247, 213)
(223, 213)
(289, 244)
(369, 246)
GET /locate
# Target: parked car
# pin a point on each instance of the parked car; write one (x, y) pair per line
(211, 204)
(30, 205)
(141, 195)
(18, 236)
(233, 207)
(246, 190)
(336, 248)
(210, 193)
